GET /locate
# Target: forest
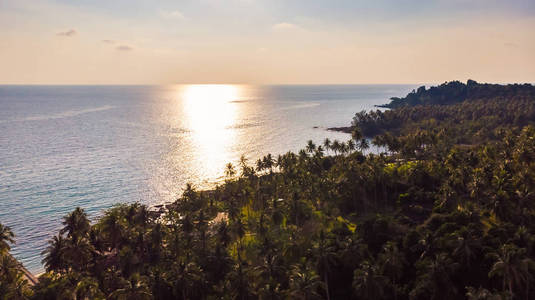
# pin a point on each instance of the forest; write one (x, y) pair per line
(445, 211)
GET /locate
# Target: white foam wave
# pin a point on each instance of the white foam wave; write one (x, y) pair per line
(299, 106)
(65, 114)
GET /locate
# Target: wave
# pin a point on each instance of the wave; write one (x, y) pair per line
(65, 114)
(299, 106)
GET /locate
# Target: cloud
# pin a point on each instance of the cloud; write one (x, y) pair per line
(68, 33)
(108, 41)
(284, 26)
(124, 48)
(175, 14)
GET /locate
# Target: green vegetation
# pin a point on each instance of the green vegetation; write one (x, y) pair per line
(12, 282)
(456, 92)
(439, 216)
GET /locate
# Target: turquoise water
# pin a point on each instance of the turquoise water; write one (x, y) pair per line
(93, 146)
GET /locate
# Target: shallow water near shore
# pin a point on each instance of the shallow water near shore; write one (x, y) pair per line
(94, 146)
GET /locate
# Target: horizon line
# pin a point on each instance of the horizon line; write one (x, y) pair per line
(251, 84)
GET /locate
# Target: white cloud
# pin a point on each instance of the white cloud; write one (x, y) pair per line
(284, 26)
(175, 14)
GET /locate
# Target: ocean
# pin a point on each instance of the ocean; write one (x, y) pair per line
(94, 146)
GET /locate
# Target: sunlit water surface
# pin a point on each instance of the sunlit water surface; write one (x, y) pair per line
(94, 146)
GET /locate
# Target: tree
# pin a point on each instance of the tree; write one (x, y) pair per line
(135, 288)
(88, 288)
(55, 259)
(76, 224)
(6, 237)
(392, 264)
(304, 282)
(325, 255)
(515, 269)
(368, 282)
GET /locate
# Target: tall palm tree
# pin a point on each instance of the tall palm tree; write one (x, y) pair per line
(336, 147)
(8, 269)
(466, 247)
(514, 267)
(76, 224)
(304, 282)
(55, 259)
(393, 263)
(88, 289)
(439, 276)
(135, 289)
(78, 253)
(356, 134)
(112, 228)
(325, 255)
(230, 171)
(310, 146)
(18, 289)
(363, 144)
(327, 144)
(188, 280)
(6, 237)
(351, 145)
(368, 282)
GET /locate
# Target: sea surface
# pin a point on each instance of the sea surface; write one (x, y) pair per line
(94, 146)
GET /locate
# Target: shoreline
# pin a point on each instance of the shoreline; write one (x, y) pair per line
(29, 276)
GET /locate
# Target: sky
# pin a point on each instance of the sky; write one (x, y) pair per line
(266, 41)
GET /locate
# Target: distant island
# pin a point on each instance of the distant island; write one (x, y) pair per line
(486, 102)
(447, 211)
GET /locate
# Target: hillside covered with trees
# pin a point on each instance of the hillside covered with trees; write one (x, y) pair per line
(446, 212)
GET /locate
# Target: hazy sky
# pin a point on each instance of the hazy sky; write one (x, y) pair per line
(265, 41)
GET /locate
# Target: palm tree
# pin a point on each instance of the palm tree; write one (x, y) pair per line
(327, 143)
(55, 259)
(483, 294)
(88, 288)
(270, 271)
(336, 147)
(188, 280)
(76, 224)
(268, 162)
(238, 281)
(8, 269)
(310, 146)
(112, 228)
(438, 276)
(6, 237)
(229, 171)
(368, 282)
(514, 267)
(19, 289)
(466, 247)
(78, 253)
(135, 289)
(393, 263)
(325, 255)
(351, 145)
(304, 282)
(356, 133)
(363, 144)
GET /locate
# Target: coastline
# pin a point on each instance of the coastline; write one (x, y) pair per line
(29, 276)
